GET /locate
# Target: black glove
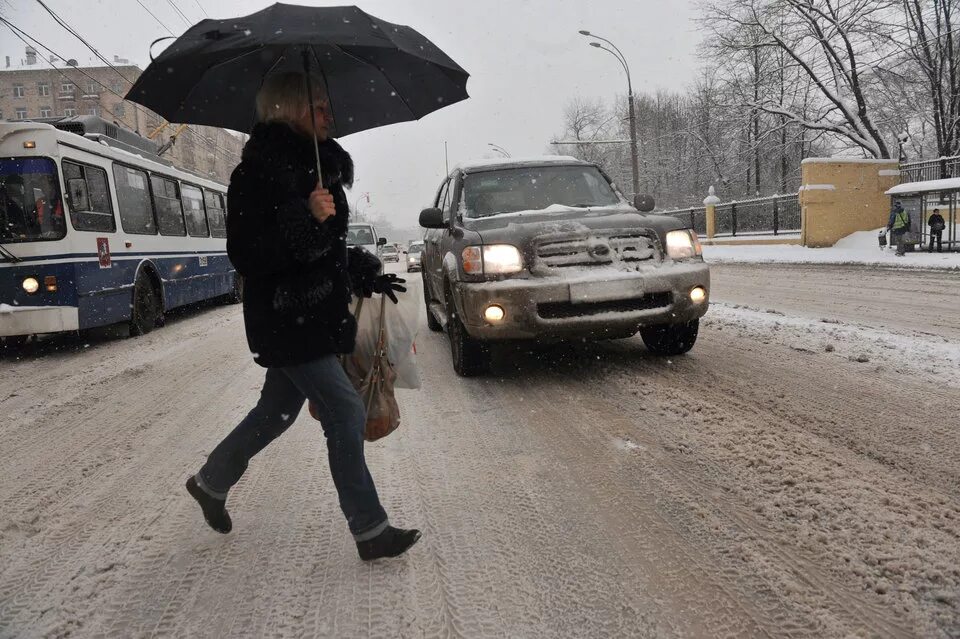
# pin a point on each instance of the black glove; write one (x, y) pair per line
(387, 284)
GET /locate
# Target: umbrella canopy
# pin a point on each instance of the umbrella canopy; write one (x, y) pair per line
(375, 72)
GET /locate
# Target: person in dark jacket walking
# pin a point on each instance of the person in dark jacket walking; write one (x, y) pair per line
(899, 226)
(936, 224)
(286, 237)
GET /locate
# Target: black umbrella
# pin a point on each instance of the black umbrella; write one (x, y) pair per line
(375, 72)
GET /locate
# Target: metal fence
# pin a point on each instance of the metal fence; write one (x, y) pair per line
(923, 170)
(695, 216)
(769, 215)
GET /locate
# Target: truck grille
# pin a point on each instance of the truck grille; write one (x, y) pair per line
(618, 247)
(567, 310)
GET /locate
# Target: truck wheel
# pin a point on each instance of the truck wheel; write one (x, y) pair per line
(147, 312)
(471, 357)
(432, 322)
(670, 339)
(13, 342)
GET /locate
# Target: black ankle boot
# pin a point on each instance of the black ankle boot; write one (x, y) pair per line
(214, 510)
(392, 542)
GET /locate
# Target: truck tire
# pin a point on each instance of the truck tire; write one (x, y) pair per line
(13, 343)
(471, 357)
(147, 311)
(670, 339)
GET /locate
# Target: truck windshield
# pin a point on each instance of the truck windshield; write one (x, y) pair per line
(30, 204)
(533, 188)
(360, 235)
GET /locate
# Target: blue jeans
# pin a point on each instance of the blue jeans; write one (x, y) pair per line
(342, 414)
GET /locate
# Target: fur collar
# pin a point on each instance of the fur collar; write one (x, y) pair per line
(276, 143)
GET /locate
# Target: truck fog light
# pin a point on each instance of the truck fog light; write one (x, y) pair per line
(31, 285)
(494, 313)
(698, 294)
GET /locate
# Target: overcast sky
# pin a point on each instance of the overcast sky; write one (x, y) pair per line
(525, 58)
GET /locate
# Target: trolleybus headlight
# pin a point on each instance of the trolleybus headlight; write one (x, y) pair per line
(31, 285)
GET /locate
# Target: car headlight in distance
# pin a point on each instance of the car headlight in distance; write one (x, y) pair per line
(501, 259)
(683, 244)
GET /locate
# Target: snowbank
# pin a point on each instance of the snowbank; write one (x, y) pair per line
(859, 248)
(920, 354)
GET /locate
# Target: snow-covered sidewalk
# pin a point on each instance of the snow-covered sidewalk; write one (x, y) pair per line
(859, 248)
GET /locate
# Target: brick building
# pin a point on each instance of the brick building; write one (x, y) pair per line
(36, 88)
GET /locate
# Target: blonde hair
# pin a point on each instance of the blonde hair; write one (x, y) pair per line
(284, 97)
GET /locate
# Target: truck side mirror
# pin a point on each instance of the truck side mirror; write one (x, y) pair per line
(432, 218)
(643, 202)
(382, 241)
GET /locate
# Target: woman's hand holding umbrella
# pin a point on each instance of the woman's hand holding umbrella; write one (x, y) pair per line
(321, 204)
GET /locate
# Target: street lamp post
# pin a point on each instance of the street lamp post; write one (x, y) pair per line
(615, 52)
(499, 149)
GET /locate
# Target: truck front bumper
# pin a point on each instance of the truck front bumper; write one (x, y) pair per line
(595, 306)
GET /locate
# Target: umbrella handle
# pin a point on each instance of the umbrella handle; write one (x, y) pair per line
(313, 116)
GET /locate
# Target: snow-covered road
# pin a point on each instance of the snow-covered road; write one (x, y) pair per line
(789, 477)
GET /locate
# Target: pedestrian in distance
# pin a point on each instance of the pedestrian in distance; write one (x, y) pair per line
(899, 227)
(286, 237)
(936, 224)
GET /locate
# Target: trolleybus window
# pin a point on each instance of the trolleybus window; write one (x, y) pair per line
(30, 205)
(88, 196)
(216, 216)
(133, 197)
(193, 211)
(166, 201)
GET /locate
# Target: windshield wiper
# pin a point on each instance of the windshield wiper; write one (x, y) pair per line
(7, 254)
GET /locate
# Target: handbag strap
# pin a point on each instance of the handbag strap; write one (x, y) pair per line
(377, 363)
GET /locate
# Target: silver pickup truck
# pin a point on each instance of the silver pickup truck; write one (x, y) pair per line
(548, 249)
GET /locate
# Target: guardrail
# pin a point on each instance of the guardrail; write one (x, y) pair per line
(767, 215)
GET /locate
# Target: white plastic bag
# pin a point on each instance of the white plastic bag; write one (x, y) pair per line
(402, 323)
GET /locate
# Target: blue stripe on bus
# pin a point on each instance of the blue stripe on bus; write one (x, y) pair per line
(120, 256)
(104, 296)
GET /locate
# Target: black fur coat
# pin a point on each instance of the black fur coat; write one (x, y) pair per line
(298, 275)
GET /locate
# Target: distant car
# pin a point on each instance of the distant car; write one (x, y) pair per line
(389, 253)
(414, 256)
(547, 249)
(365, 235)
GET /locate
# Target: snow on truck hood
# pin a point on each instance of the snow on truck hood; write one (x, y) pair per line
(553, 213)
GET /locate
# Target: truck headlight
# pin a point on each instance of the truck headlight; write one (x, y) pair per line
(683, 244)
(496, 259)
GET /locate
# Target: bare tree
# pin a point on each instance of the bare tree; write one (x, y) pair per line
(923, 34)
(830, 43)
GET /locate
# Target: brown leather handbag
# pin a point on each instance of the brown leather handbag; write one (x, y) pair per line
(373, 377)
